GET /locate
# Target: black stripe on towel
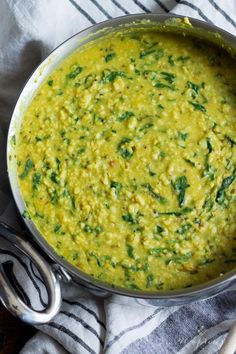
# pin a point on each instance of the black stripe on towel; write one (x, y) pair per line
(71, 335)
(223, 13)
(139, 4)
(105, 13)
(120, 7)
(82, 11)
(86, 309)
(84, 324)
(200, 13)
(9, 253)
(162, 5)
(8, 268)
(122, 333)
(34, 274)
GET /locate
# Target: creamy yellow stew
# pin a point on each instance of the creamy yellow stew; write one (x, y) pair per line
(127, 164)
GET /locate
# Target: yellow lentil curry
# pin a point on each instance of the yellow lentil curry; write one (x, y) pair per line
(126, 160)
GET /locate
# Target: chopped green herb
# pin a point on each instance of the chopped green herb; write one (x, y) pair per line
(170, 60)
(88, 81)
(194, 87)
(109, 57)
(158, 251)
(183, 229)
(76, 71)
(150, 279)
(88, 229)
(75, 255)
(198, 106)
(169, 77)
(133, 286)
(147, 52)
(162, 154)
(176, 213)
(57, 228)
(123, 148)
(183, 59)
(145, 127)
(50, 82)
(209, 172)
(182, 136)
(154, 194)
(99, 263)
(128, 218)
(208, 204)
(37, 138)
(159, 53)
(58, 161)
(130, 251)
(58, 245)
(189, 162)
(73, 203)
(125, 116)
(59, 92)
(28, 166)
(146, 267)
(117, 186)
(65, 192)
(230, 140)
(81, 150)
(209, 146)
(54, 177)
(220, 195)
(98, 119)
(159, 229)
(179, 258)
(36, 180)
(38, 215)
(111, 76)
(151, 173)
(53, 196)
(160, 85)
(98, 229)
(180, 186)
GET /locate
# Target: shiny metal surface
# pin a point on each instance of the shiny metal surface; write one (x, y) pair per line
(8, 294)
(199, 29)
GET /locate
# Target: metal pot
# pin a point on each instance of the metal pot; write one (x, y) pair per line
(56, 268)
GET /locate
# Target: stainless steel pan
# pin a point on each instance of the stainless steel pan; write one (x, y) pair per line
(55, 267)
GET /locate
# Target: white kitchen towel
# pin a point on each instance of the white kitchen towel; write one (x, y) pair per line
(29, 30)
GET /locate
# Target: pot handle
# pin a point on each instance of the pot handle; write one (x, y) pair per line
(10, 297)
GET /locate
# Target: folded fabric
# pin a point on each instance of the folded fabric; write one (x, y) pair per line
(30, 29)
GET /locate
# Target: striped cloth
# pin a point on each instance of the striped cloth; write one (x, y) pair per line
(29, 30)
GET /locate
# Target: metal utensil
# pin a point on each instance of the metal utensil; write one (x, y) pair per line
(163, 298)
